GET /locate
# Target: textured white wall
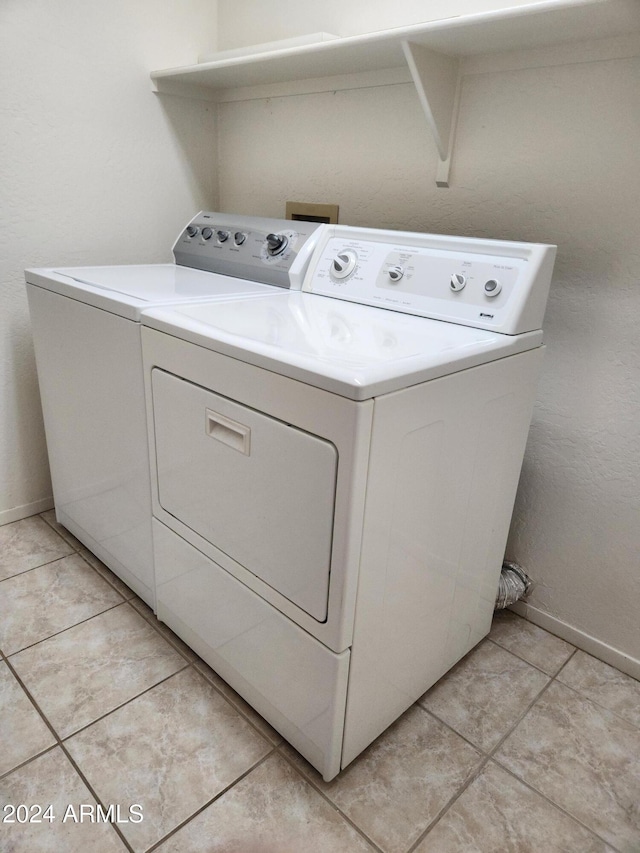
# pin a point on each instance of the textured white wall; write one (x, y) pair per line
(545, 154)
(94, 168)
(243, 22)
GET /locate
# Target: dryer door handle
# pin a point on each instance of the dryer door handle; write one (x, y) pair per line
(229, 432)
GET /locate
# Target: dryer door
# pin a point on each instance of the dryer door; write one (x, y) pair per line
(260, 490)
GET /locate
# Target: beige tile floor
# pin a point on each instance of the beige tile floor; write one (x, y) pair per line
(527, 745)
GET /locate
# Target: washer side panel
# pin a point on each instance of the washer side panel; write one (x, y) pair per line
(91, 384)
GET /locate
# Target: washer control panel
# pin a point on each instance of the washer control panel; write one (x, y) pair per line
(271, 251)
(490, 284)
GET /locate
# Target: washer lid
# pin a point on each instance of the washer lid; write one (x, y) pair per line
(127, 290)
(353, 350)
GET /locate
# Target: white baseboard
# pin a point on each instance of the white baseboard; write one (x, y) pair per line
(591, 645)
(18, 512)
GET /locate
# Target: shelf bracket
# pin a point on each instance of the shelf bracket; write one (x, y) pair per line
(436, 77)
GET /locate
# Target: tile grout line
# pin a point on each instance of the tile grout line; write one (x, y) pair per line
(484, 760)
(55, 530)
(330, 802)
(122, 705)
(98, 719)
(152, 620)
(44, 717)
(41, 565)
(535, 666)
(79, 551)
(604, 708)
(39, 711)
(210, 802)
(556, 806)
(61, 740)
(444, 723)
(62, 539)
(64, 630)
(155, 623)
(94, 794)
(59, 743)
(29, 760)
(229, 701)
(492, 754)
(563, 666)
(487, 757)
(51, 562)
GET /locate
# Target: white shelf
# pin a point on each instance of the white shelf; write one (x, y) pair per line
(429, 54)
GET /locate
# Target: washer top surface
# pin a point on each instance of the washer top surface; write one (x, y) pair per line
(127, 290)
(354, 350)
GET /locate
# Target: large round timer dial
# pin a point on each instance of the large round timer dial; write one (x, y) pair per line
(276, 244)
(344, 264)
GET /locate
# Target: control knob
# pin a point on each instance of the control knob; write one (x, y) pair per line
(396, 273)
(222, 236)
(192, 230)
(276, 243)
(344, 264)
(492, 287)
(458, 281)
(207, 233)
(239, 238)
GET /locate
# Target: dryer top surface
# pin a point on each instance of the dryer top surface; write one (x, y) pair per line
(353, 350)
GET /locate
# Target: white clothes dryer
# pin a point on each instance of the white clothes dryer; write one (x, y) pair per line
(335, 472)
(86, 329)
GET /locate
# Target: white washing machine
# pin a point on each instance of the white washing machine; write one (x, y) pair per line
(335, 472)
(86, 329)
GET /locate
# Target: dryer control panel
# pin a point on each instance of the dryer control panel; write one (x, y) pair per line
(270, 251)
(488, 284)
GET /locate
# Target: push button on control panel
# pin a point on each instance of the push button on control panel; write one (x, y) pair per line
(492, 287)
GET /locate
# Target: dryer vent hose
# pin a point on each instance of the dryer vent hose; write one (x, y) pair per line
(514, 583)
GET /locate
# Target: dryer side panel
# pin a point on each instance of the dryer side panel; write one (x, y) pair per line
(444, 468)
